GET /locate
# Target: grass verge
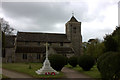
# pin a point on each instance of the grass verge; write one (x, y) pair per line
(3, 76)
(29, 69)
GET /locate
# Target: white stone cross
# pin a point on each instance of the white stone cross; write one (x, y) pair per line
(46, 65)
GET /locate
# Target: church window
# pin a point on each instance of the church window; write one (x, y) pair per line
(61, 44)
(26, 43)
(24, 56)
(74, 29)
(3, 53)
(38, 43)
(50, 43)
(38, 56)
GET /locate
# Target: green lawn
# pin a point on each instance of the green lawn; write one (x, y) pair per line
(0, 65)
(3, 76)
(94, 73)
(0, 75)
(24, 68)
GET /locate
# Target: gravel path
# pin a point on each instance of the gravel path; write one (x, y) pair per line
(13, 74)
(72, 73)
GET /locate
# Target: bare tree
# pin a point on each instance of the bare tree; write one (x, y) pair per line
(5, 27)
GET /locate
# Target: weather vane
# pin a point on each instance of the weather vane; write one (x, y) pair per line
(72, 13)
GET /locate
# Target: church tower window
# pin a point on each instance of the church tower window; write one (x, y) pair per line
(74, 29)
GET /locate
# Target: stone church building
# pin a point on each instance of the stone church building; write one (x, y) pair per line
(30, 46)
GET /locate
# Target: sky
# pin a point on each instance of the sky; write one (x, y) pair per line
(98, 17)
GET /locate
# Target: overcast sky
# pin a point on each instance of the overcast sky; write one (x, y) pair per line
(98, 17)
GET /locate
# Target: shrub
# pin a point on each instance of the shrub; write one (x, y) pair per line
(73, 61)
(57, 61)
(109, 67)
(66, 60)
(101, 58)
(86, 62)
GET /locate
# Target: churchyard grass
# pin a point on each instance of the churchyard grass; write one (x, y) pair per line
(0, 65)
(94, 73)
(3, 76)
(0, 75)
(25, 68)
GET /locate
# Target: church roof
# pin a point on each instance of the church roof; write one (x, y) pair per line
(62, 50)
(30, 49)
(73, 19)
(37, 49)
(41, 37)
(9, 41)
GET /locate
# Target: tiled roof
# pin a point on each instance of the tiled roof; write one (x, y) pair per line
(10, 41)
(73, 19)
(41, 37)
(35, 49)
(30, 49)
(63, 50)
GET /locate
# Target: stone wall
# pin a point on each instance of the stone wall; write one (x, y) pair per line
(9, 55)
(31, 57)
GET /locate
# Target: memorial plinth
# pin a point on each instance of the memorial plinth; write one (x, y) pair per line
(46, 65)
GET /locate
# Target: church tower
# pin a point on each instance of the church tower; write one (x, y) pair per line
(73, 32)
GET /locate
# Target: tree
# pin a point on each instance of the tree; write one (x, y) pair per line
(6, 30)
(86, 62)
(110, 43)
(5, 27)
(3, 40)
(108, 64)
(94, 48)
(116, 37)
(84, 46)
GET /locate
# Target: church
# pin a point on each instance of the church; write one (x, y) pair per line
(30, 46)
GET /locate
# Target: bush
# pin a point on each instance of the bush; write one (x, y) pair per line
(109, 67)
(101, 58)
(73, 61)
(57, 61)
(86, 62)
